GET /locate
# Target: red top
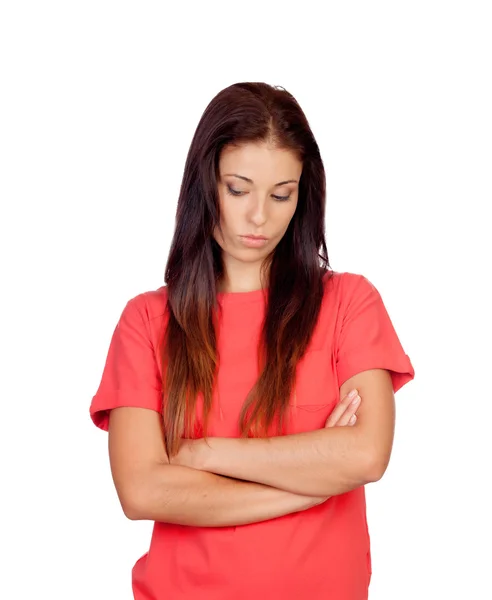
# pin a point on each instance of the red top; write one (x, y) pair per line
(321, 553)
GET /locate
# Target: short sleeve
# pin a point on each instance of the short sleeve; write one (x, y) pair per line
(131, 376)
(367, 338)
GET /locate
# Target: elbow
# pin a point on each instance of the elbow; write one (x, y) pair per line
(132, 508)
(143, 494)
(134, 504)
(150, 500)
(132, 512)
(375, 468)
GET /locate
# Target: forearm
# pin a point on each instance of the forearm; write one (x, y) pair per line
(324, 462)
(186, 496)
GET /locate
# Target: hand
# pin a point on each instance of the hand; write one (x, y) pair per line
(344, 413)
(189, 453)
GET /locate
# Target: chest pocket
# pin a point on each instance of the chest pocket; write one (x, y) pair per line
(315, 393)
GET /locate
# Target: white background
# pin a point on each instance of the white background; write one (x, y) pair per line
(99, 102)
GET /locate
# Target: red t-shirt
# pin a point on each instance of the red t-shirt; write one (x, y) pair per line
(322, 553)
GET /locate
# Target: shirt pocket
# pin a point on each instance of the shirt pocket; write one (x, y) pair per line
(315, 392)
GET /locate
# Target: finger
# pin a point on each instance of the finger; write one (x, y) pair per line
(340, 409)
(352, 421)
(350, 411)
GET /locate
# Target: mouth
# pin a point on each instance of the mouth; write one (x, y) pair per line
(252, 241)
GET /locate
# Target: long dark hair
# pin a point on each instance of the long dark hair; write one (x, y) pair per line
(241, 113)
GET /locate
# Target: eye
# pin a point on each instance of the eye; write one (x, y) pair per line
(233, 192)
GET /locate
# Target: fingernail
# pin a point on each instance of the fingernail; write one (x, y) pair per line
(355, 400)
(353, 394)
(352, 419)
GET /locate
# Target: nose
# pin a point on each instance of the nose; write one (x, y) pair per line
(257, 210)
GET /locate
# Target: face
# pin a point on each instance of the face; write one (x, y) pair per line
(258, 193)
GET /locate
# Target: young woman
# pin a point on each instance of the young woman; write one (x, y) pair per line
(230, 393)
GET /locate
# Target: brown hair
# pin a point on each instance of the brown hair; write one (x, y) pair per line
(241, 113)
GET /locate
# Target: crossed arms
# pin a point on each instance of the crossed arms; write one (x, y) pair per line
(229, 481)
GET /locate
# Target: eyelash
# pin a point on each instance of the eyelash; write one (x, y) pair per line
(236, 193)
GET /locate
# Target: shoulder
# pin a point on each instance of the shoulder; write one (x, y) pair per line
(149, 305)
(342, 286)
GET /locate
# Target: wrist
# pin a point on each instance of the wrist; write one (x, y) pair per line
(190, 454)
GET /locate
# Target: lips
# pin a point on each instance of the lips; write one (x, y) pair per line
(253, 241)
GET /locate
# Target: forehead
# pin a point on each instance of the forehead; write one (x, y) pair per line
(260, 162)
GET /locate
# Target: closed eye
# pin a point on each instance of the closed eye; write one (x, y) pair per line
(234, 192)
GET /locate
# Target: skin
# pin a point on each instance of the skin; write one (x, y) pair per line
(150, 488)
(256, 210)
(254, 207)
(323, 462)
(227, 482)
(312, 463)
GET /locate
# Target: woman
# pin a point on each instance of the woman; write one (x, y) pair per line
(228, 392)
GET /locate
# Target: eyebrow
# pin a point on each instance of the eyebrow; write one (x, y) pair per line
(251, 181)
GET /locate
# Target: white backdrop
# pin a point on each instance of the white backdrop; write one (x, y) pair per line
(98, 105)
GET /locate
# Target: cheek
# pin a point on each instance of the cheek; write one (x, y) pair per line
(293, 208)
(286, 210)
(221, 239)
(228, 220)
(286, 219)
(224, 220)
(216, 236)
